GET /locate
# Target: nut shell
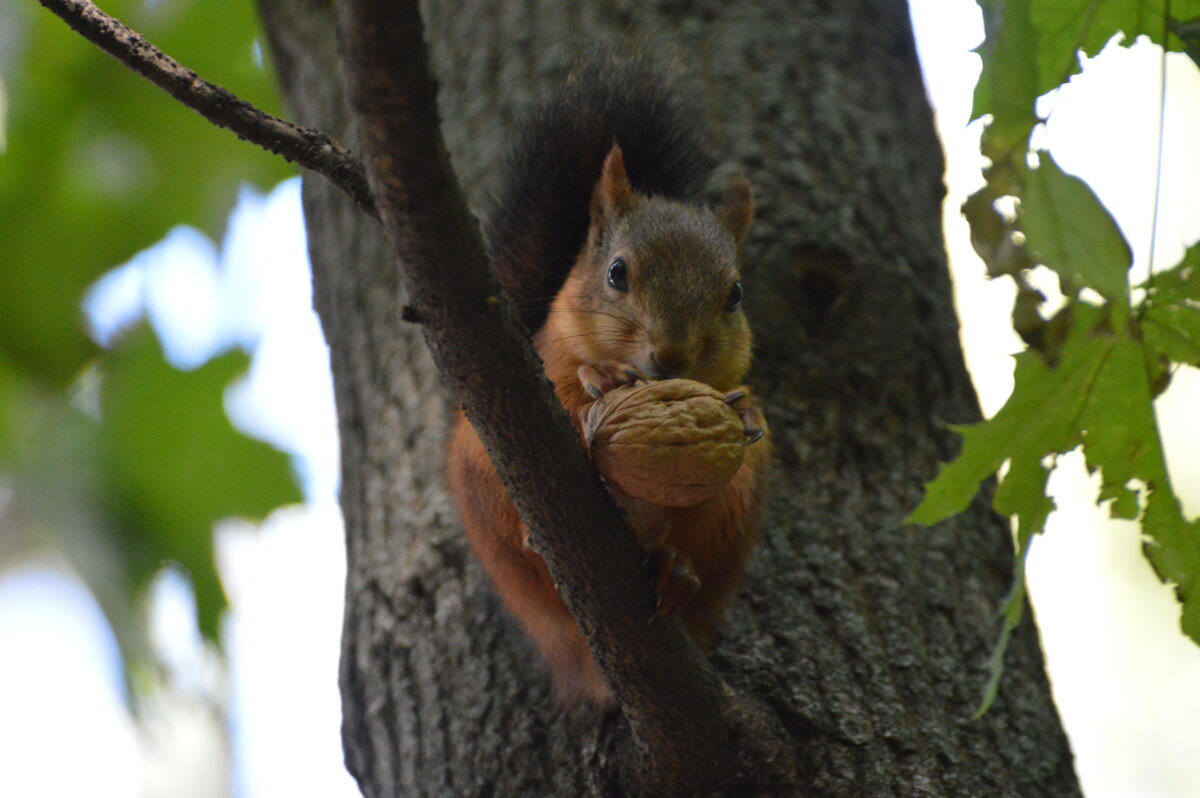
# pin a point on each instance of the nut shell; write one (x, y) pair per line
(670, 442)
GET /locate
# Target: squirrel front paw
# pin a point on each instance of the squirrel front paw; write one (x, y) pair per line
(741, 399)
(675, 581)
(607, 375)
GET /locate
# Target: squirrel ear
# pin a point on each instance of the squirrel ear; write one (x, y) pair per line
(737, 208)
(613, 195)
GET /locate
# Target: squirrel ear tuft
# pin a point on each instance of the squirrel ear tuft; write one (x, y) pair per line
(613, 195)
(737, 209)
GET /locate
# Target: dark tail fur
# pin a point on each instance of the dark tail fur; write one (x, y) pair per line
(539, 219)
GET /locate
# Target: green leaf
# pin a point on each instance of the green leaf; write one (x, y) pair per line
(1136, 18)
(1173, 548)
(1039, 418)
(100, 164)
(48, 454)
(1023, 494)
(1175, 332)
(12, 412)
(1010, 614)
(1188, 31)
(1120, 438)
(1070, 231)
(1170, 315)
(1032, 47)
(176, 465)
(96, 164)
(1097, 389)
(992, 235)
(1125, 505)
(1009, 82)
(1100, 395)
(1068, 26)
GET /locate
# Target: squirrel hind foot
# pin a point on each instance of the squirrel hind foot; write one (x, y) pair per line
(583, 689)
(577, 681)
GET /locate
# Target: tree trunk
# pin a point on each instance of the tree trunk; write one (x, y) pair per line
(868, 639)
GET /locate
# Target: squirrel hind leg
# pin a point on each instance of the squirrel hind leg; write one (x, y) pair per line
(527, 591)
(578, 682)
(574, 674)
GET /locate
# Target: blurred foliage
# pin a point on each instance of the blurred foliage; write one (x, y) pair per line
(100, 163)
(173, 464)
(116, 459)
(1092, 370)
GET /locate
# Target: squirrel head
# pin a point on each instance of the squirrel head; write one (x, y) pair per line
(657, 284)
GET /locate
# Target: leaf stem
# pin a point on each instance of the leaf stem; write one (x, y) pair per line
(1162, 121)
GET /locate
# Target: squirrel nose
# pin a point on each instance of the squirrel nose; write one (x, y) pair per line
(667, 363)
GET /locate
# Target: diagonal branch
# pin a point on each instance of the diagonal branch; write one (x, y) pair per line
(308, 148)
(692, 732)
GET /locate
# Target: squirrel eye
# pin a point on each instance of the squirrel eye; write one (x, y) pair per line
(735, 297)
(618, 275)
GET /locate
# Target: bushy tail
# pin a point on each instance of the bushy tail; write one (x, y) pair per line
(538, 220)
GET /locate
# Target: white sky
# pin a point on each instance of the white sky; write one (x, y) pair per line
(1126, 681)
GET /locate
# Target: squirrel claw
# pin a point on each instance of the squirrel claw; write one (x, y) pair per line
(675, 582)
(605, 376)
(755, 423)
(741, 398)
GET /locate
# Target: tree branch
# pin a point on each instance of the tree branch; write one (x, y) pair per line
(693, 733)
(308, 148)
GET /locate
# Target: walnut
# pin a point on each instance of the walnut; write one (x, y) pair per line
(670, 442)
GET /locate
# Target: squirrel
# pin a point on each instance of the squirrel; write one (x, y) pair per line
(596, 210)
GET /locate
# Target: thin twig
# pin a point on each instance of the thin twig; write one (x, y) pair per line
(308, 148)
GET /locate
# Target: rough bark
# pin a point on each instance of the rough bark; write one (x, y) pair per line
(866, 638)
